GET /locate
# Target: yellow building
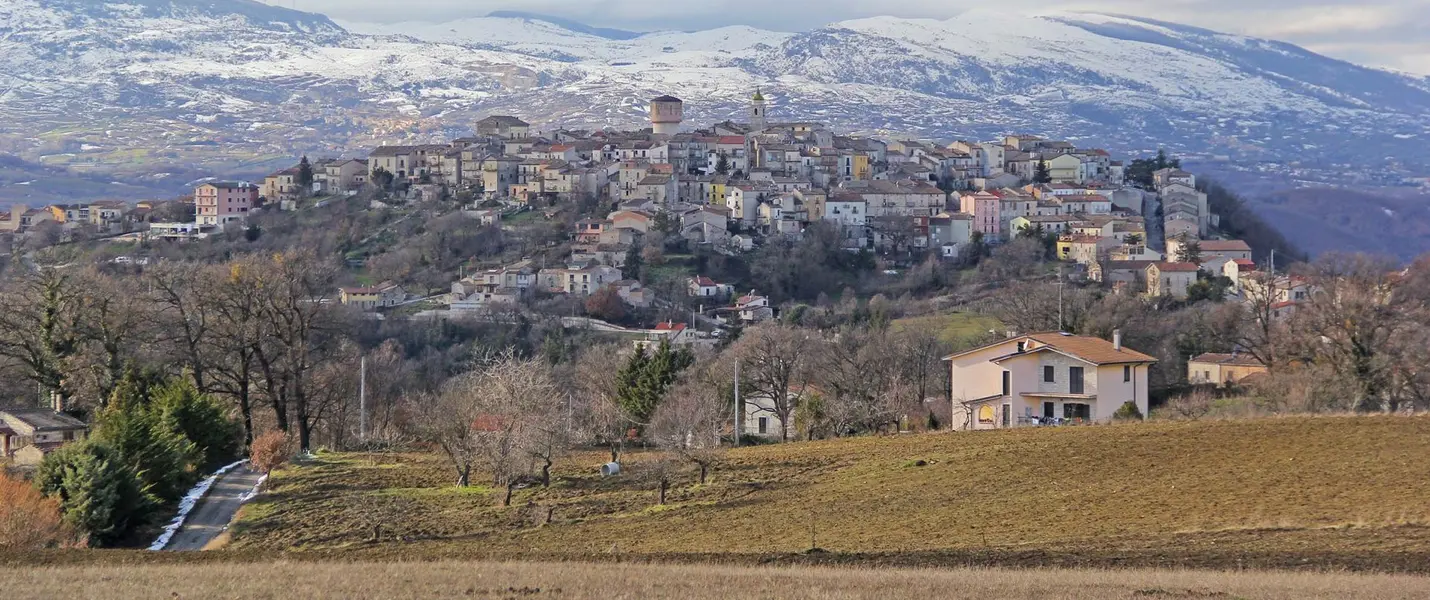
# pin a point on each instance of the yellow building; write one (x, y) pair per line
(861, 167)
(1223, 368)
(717, 193)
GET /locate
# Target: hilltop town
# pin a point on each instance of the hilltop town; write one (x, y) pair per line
(1141, 227)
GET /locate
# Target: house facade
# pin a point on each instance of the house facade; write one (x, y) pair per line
(221, 202)
(1170, 278)
(1046, 378)
(1218, 369)
(383, 295)
(27, 435)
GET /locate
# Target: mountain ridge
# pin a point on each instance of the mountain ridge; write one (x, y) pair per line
(221, 86)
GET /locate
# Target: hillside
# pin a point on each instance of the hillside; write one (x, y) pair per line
(1284, 492)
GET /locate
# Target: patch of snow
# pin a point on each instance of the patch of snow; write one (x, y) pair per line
(253, 493)
(187, 503)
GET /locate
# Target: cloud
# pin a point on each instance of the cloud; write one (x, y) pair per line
(1330, 20)
(1348, 29)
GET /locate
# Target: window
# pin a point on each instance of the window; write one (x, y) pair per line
(1007, 415)
(764, 425)
(1048, 373)
(1126, 373)
(1007, 382)
(1075, 384)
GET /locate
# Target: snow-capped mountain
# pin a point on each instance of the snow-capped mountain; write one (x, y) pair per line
(227, 85)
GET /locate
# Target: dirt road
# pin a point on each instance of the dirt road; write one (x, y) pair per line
(214, 511)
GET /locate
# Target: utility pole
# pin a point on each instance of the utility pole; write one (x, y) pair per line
(362, 399)
(737, 404)
(1060, 298)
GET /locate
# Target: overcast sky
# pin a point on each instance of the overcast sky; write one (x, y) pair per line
(1386, 33)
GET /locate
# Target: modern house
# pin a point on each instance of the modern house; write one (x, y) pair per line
(219, 202)
(27, 435)
(1046, 379)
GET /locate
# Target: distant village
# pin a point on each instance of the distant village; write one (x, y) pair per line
(730, 186)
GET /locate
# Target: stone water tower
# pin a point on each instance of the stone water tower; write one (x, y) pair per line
(666, 113)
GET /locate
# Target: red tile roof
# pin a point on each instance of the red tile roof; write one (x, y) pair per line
(1178, 267)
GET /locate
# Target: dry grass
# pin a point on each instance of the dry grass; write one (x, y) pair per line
(534, 580)
(1328, 492)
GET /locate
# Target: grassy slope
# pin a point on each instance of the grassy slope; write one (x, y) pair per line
(958, 329)
(1329, 491)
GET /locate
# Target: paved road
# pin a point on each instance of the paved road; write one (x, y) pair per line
(214, 511)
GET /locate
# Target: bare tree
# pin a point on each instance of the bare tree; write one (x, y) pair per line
(487, 417)
(302, 328)
(777, 360)
(114, 321)
(40, 329)
(1353, 324)
(184, 298)
(689, 422)
(237, 335)
(595, 392)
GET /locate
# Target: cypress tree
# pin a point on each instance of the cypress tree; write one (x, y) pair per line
(99, 494)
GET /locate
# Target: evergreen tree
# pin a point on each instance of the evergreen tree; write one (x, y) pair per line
(1041, 174)
(167, 462)
(722, 165)
(1161, 161)
(642, 383)
(305, 174)
(632, 267)
(1190, 252)
(99, 494)
(201, 419)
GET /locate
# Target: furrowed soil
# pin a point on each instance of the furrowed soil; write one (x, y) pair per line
(1345, 492)
(1330, 493)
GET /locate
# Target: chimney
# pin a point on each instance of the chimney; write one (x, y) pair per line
(1117, 340)
(57, 400)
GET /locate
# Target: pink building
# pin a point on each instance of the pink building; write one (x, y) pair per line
(220, 202)
(985, 210)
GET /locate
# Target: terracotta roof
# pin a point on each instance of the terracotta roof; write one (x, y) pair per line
(668, 326)
(704, 281)
(1091, 349)
(1238, 360)
(1178, 267)
(1245, 262)
(1224, 246)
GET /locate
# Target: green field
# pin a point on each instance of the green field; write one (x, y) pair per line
(958, 329)
(1345, 492)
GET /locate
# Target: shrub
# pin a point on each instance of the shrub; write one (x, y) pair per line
(29, 520)
(269, 451)
(99, 494)
(1128, 412)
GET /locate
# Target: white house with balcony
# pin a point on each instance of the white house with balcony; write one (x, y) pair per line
(1046, 379)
